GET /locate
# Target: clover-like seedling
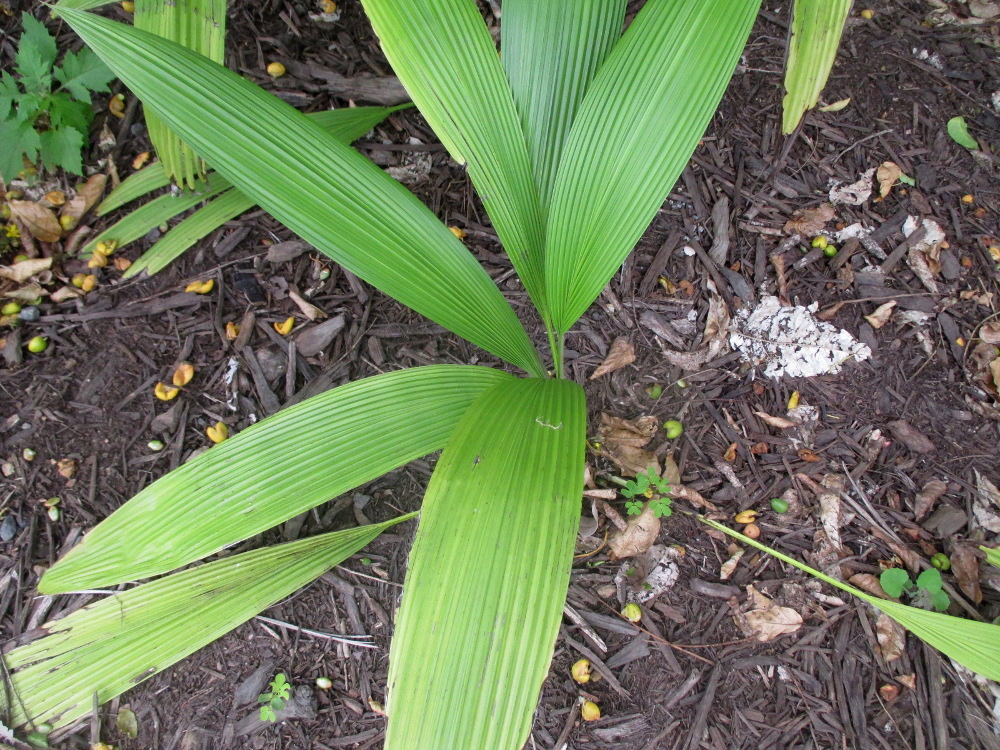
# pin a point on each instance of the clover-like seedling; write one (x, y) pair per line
(647, 484)
(275, 698)
(925, 593)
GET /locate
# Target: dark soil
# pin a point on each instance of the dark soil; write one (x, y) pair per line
(693, 680)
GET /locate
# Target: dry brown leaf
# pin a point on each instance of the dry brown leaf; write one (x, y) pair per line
(810, 221)
(917, 261)
(730, 454)
(869, 583)
(780, 422)
(923, 503)
(965, 568)
(714, 340)
(39, 220)
(86, 196)
(995, 372)
(65, 293)
(638, 536)
(887, 174)
(990, 332)
(621, 354)
(907, 680)
(21, 272)
(881, 315)
(27, 293)
(891, 637)
(623, 442)
(308, 309)
(808, 455)
(830, 312)
(911, 437)
(766, 620)
(729, 566)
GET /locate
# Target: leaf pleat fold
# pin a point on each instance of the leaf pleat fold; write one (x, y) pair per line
(638, 125)
(488, 572)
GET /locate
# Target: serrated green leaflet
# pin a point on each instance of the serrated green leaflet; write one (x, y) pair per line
(110, 646)
(973, 644)
(345, 125)
(466, 99)
(329, 194)
(278, 468)
(633, 134)
(488, 572)
(812, 49)
(551, 50)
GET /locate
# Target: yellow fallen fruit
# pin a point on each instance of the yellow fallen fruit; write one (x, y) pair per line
(183, 374)
(968, 199)
(78, 279)
(88, 283)
(165, 392)
(458, 232)
(217, 432)
(56, 197)
(581, 671)
(128, 6)
(632, 612)
(67, 222)
(97, 261)
(200, 287)
(820, 241)
(117, 105)
(328, 6)
(868, 14)
(285, 327)
(276, 70)
(746, 516)
(122, 264)
(232, 330)
(793, 400)
(590, 711)
(140, 161)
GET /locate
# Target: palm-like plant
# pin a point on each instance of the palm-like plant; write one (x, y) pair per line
(573, 140)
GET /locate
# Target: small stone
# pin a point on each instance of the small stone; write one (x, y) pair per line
(30, 314)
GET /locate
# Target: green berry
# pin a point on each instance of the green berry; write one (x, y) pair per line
(155, 445)
(941, 561)
(38, 345)
(654, 391)
(673, 428)
(778, 505)
(11, 308)
(829, 251)
(632, 613)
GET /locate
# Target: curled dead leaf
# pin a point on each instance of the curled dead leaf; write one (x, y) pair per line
(890, 636)
(927, 497)
(623, 442)
(881, 315)
(780, 422)
(729, 566)
(887, 174)
(25, 269)
(308, 309)
(990, 332)
(39, 220)
(638, 536)
(869, 583)
(805, 454)
(86, 196)
(622, 353)
(766, 620)
(810, 221)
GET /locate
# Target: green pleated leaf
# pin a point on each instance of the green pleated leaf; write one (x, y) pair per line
(971, 643)
(992, 555)
(332, 196)
(489, 570)
(199, 25)
(202, 222)
(114, 644)
(551, 51)
(158, 211)
(444, 55)
(136, 185)
(816, 29)
(346, 125)
(636, 129)
(282, 466)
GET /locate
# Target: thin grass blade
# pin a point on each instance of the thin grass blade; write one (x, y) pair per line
(972, 644)
(816, 29)
(332, 196)
(285, 465)
(551, 51)
(637, 127)
(488, 573)
(446, 58)
(114, 644)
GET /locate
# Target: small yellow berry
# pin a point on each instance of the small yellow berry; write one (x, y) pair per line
(232, 330)
(128, 6)
(67, 222)
(97, 261)
(458, 232)
(200, 287)
(820, 241)
(581, 671)
(328, 6)
(140, 161)
(217, 432)
(116, 105)
(276, 70)
(183, 374)
(165, 392)
(77, 280)
(868, 14)
(746, 516)
(285, 327)
(968, 199)
(590, 711)
(88, 283)
(632, 612)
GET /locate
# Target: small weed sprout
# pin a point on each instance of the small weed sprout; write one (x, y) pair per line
(925, 593)
(648, 485)
(275, 698)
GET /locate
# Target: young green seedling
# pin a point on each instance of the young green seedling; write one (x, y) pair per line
(649, 485)
(275, 698)
(925, 593)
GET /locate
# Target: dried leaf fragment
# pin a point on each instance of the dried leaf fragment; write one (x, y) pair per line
(965, 568)
(86, 197)
(25, 269)
(890, 636)
(39, 220)
(622, 353)
(779, 422)
(881, 315)
(810, 221)
(887, 174)
(638, 536)
(767, 621)
(308, 309)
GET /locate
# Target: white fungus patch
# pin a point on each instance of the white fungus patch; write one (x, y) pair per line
(791, 341)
